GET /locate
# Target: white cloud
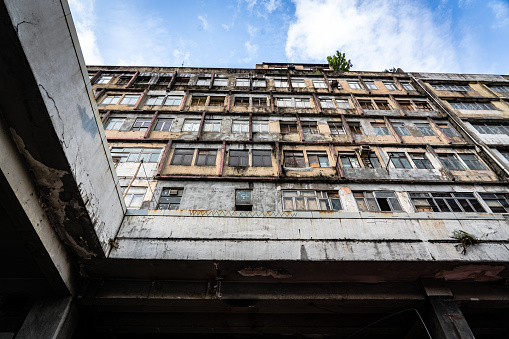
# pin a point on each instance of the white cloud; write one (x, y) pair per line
(501, 12)
(464, 3)
(271, 5)
(375, 35)
(225, 26)
(85, 20)
(251, 49)
(204, 22)
(250, 4)
(251, 30)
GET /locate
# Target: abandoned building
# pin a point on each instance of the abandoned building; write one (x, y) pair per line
(285, 200)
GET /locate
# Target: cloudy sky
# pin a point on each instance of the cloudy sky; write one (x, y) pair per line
(465, 36)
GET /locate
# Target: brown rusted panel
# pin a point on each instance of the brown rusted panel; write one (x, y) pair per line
(328, 83)
(184, 101)
(271, 102)
(133, 79)
(250, 126)
(105, 117)
(201, 126)
(164, 157)
(317, 102)
(172, 81)
(278, 159)
(300, 127)
(140, 99)
(96, 76)
(211, 80)
(221, 164)
(101, 92)
(149, 129)
(289, 82)
(336, 157)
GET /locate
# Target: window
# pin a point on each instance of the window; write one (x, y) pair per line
(448, 130)
(260, 102)
(173, 101)
(130, 99)
(500, 89)
(390, 85)
(371, 161)
(182, 157)
(134, 197)
(141, 124)
(422, 106)
(259, 83)
(356, 129)
(241, 101)
(104, 79)
(155, 100)
(242, 83)
(343, 104)
(284, 102)
(336, 128)
(354, 85)
(288, 127)
(170, 198)
(381, 129)
(454, 88)
(491, 129)
(182, 81)
(349, 160)
(472, 162)
(498, 203)
(311, 200)
(370, 84)
(280, 82)
(243, 200)
(206, 158)
(163, 124)
(198, 101)
(318, 159)
(309, 127)
(399, 160)
(191, 125)
(451, 161)
(142, 80)
(212, 126)
(407, 86)
(377, 201)
(240, 126)
(473, 106)
(406, 105)
(216, 101)
(164, 81)
(319, 84)
(294, 159)
(425, 130)
(238, 158)
(421, 161)
(111, 100)
(260, 127)
(366, 104)
(302, 103)
(114, 124)
(383, 105)
(220, 82)
(262, 158)
(298, 83)
(505, 155)
(132, 154)
(327, 103)
(445, 202)
(400, 128)
(203, 82)
(123, 80)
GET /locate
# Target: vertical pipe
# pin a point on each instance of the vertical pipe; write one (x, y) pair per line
(347, 129)
(356, 104)
(211, 80)
(328, 83)
(229, 101)
(221, 164)
(164, 157)
(184, 101)
(201, 126)
(140, 99)
(149, 129)
(301, 132)
(133, 79)
(105, 117)
(250, 126)
(317, 103)
(278, 160)
(95, 77)
(172, 81)
(336, 157)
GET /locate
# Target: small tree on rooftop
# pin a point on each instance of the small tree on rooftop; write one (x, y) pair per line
(338, 62)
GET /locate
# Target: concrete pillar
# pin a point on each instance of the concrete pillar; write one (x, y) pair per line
(50, 318)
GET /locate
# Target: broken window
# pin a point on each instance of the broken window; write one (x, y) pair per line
(451, 161)
(114, 124)
(239, 158)
(163, 124)
(181, 81)
(336, 128)
(390, 86)
(448, 130)
(130, 99)
(216, 101)
(425, 130)
(243, 200)
(260, 127)
(445, 202)
(422, 106)
(383, 105)
(203, 82)
(173, 101)
(163, 81)
(370, 85)
(155, 100)
(400, 128)
(366, 104)
(134, 196)
(259, 102)
(136, 154)
(319, 84)
(381, 129)
(170, 198)
(206, 158)
(241, 101)
(220, 82)
(399, 160)
(262, 158)
(298, 83)
(141, 124)
(281, 82)
(377, 201)
(302, 103)
(473, 106)
(309, 127)
(288, 127)
(356, 129)
(406, 105)
(123, 80)
(452, 87)
(421, 161)
(472, 161)
(300, 200)
(110, 100)
(349, 160)
(327, 103)
(294, 159)
(407, 86)
(318, 159)
(191, 125)
(142, 80)
(104, 79)
(240, 126)
(212, 126)
(284, 102)
(259, 83)
(198, 101)
(343, 104)
(182, 157)
(371, 161)
(354, 85)
(498, 203)
(242, 82)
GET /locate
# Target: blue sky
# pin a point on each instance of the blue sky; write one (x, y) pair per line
(465, 36)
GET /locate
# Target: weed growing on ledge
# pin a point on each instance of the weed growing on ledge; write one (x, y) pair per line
(465, 239)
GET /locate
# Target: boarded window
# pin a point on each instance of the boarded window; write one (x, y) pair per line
(318, 159)
(198, 101)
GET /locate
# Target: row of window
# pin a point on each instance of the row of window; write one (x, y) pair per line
(491, 129)
(367, 201)
(467, 88)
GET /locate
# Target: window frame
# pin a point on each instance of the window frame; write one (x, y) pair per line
(320, 198)
(372, 199)
(183, 158)
(438, 201)
(178, 196)
(208, 159)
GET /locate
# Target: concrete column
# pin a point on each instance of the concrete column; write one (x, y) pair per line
(50, 318)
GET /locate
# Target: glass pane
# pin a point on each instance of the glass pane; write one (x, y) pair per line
(361, 204)
(312, 204)
(372, 205)
(336, 204)
(288, 204)
(465, 205)
(299, 204)
(453, 205)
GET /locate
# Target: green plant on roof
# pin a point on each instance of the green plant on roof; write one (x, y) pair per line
(466, 240)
